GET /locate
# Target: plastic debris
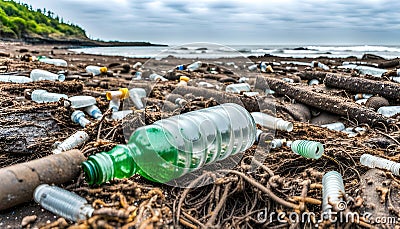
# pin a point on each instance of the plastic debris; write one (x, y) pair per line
(148, 142)
(96, 70)
(56, 62)
(308, 149)
(317, 64)
(71, 142)
(238, 88)
(155, 77)
(15, 79)
(80, 101)
(389, 111)
(338, 126)
(94, 111)
(118, 115)
(271, 122)
(43, 96)
(362, 96)
(79, 118)
(39, 75)
(194, 66)
(332, 193)
(381, 163)
(62, 202)
(136, 95)
(313, 82)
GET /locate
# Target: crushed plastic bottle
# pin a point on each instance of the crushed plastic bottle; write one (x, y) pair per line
(56, 62)
(118, 115)
(271, 122)
(317, 64)
(155, 77)
(332, 193)
(362, 96)
(194, 66)
(136, 95)
(79, 118)
(71, 142)
(381, 163)
(15, 79)
(238, 88)
(389, 111)
(38, 75)
(94, 111)
(80, 101)
(96, 70)
(172, 147)
(62, 202)
(338, 126)
(43, 96)
(308, 149)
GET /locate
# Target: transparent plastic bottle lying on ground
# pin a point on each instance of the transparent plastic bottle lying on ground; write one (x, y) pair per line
(194, 66)
(238, 88)
(172, 147)
(38, 75)
(382, 163)
(62, 202)
(43, 96)
(271, 122)
(15, 79)
(338, 126)
(56, 62)
(71, 142)
(317, 64)
(96, 70)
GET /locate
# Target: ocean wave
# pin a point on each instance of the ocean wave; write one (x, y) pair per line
(359, 48)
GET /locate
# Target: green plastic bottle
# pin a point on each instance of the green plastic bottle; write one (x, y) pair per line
(172, 147)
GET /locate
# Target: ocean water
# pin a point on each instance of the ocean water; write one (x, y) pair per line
(205, 50)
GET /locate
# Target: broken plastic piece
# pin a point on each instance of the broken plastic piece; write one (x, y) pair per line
(62, 202)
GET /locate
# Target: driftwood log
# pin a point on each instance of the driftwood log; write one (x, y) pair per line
(329, 103)
(388, 90)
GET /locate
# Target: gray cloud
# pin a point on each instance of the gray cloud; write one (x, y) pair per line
(234, 21)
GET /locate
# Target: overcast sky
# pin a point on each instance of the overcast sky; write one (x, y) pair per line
(235, 21)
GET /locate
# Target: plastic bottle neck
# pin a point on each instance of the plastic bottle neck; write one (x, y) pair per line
(105, 166)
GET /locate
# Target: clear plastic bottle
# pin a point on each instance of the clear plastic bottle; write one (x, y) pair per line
(118, 115)
(271, 122)
(332, 192)
(81, 101)
(42, 96)
(62, 202)
(238, 88)
(389, 111)
(172, 147)
(138, 76)
(79, 117)
(38, 75)
(136, 95)
(71, 142)
(56, 62)
(252, 67)
(94, 111)
(96, 70)
(308, 149)
(317, 64)
(338, 126)
(15, 79)
(194, 66)
(155, 77)
(382, 163)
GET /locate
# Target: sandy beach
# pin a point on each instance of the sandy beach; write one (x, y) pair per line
(28, 131)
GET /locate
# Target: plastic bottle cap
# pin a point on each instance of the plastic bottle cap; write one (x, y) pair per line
(125, 93)
(61, 77)
(103, 69)
(184, 78)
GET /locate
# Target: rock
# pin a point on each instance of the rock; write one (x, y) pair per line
(126, 68)
(112, 65)
(376, 102)
(28, 220)
(227, 80)
(4, 54)
(371, 57)
(23, 50)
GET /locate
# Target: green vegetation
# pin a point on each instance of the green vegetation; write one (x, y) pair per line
(18, 20)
